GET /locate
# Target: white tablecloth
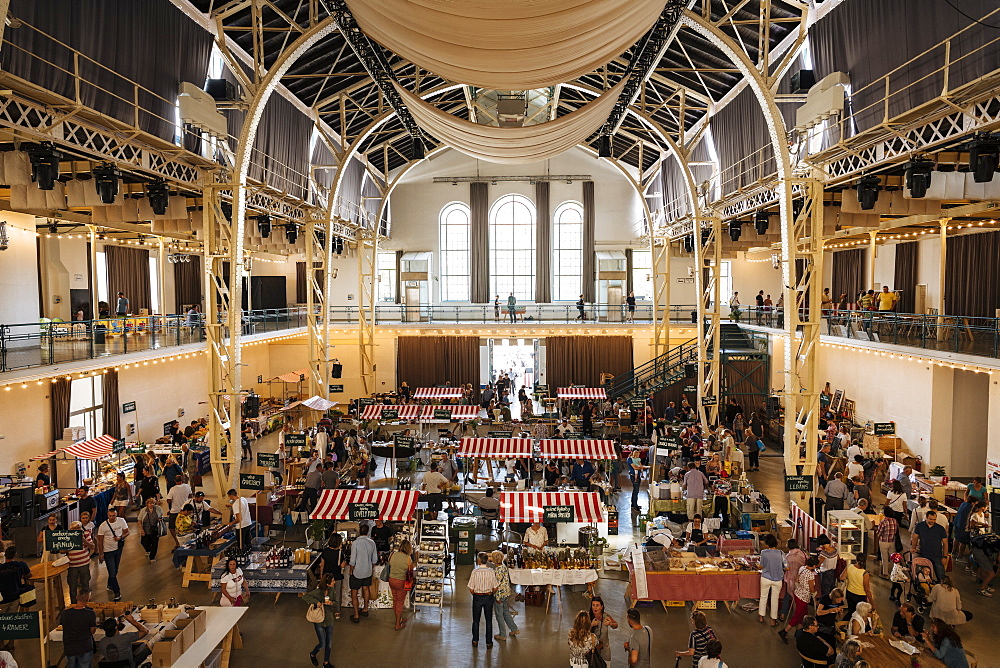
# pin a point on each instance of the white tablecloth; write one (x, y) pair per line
(551, 576)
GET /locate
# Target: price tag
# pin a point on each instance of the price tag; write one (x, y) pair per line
(128, 407)
(637, 404)
(251, 481)
(19, 625)
(542, 390)
(366, 401)
(798, 483)
(336, 389)
(362, 511)
(559, 514)
(389, 414)
(267, 460)
(63, 540)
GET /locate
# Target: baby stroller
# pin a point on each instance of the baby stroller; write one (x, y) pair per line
(922, 578)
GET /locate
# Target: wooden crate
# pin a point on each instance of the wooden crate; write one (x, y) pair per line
(674, 604)
(706, 605)
(534, 596)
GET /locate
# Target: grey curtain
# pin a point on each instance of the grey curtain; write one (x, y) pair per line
(629, 267)
(676, 203)
(863, 38)
(112, 417)
(972, 275)
(350, 191)
(543, 244)
(480, 241)
(187, 283)
(740, 132)
(322, 155)
(589, 249)
(371, 201)
(117, 34)
(904, 280)
(281, 150)
(848, 274)
(128, 272)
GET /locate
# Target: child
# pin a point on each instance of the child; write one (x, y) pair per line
(898, 577)
(924, 579)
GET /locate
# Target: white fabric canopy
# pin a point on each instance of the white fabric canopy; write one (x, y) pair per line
(513, 145)
(508, 44)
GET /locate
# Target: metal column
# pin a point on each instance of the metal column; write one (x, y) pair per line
(708, 261)
(318, 241)
(660, 254)
(367, 248)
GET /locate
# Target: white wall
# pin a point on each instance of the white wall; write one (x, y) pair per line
(970, 420)
(19, 271)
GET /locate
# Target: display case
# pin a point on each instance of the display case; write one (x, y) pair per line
(432, 566)
(846, 527)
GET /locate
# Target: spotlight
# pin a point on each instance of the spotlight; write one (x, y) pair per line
(44, 164)
(761, 222)
(53, 227)
(918, 176)
(604, 147)
(106, 177)
(735, 229)
(689, 243)
(417, 147)
(158, 195)
(868, 187)
(984, 150)
(291, 232)
(264, 225)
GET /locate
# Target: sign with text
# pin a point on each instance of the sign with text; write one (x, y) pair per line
(137, 449)
(128, 407)
(63, 540)
(366, 401)
(637, 404)
(267, 460)
(176, 450)
(500, 434)
(798, 483)
(709, 400)
(336, 389)
(362, 511)
(19, 626)
(389, 414)
(251, 481)
(672, 441)
(118, 446)
(560, 514)
(690, 388)
(885, 428)
(405, 442)
(295, 440)
(542, 390)
(442, 414)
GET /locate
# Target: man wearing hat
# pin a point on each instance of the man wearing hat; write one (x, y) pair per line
(203, 509)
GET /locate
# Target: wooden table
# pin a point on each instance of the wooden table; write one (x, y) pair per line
(190, 571)
(221, 628)
(56, 602)
(884, 655)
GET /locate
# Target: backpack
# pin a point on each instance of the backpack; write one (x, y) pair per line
(987, 542)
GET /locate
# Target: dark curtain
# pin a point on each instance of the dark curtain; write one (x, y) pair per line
(543, 244)
(629, 271)
(589, 249)
(426, 361)
(112, 417)
(740, 133)
(972, 275)
(128, 272)
(59, 404)
(581, 360)
(281, 150)
(848, 273)
(187, 283)
(904, 280)
(676, 203)
(399, 277)
(300, 283)
(479, 221)
(349, 200)
(120, 35)
(322, 155)
(864, 39)
(747, 382)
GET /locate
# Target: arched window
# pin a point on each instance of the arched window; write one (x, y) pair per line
(454, 256)
(567, 261)
(512, 248)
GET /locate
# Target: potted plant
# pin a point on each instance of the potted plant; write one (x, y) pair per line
(318, 530)
(937, 474)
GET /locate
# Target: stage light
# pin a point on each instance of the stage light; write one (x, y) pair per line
(868, 187)
(417, 147)
(44, 164)
(158, 195)
(689, 243)
(984, 150)
(264, 225)
(918, 176)
(735, 229)
(761, 222)
(291, 232)
(106, 177)
(604, 147)
(53, 227)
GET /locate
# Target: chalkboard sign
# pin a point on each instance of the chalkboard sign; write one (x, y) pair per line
(798, 483)
(251, 481)
(542, 390)
(118, 446)
(128, 407)
(690, 388)
(362, 511)
(885, 428)
(137, 449)
(709, 400)
(442, 414)
(336, 389)
(19, 625)
(295, 440)
(366, 401)
(63, 540)
(671, 441)
(389, 414)
(176, 450)
(267, 460)
(500, 434)
(560, 514)
(405, 442)
(637, 404)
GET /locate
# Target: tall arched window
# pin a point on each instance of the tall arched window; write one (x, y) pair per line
(567, 242)
(454, 256)
(512, 247)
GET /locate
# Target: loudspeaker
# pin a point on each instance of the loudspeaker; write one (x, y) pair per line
(222, 90)
(336, 370)
(802, 81)
(251, 407)
(21, 505)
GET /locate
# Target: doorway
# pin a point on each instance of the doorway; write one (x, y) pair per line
(518, 358)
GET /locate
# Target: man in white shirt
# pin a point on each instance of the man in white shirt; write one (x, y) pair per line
(241, 515)
(176, 498)
(435, 485)
(536, 537)
(853, 451)
(110, 535)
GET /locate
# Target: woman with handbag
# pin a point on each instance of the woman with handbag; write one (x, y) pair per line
(122, 495)
(320, 613)
(582, 641)
(397, 568)
(233, 586)
(150, 518)
(505, 620)
(600, 622)
(332, 563)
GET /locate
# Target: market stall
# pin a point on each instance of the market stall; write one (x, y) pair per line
(567, 448)
(673, 576)
(275, 570)
(492, 449)
(595, 393)
(208, 544)
(438, 393)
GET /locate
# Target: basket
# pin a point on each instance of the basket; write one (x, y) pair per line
(534, 596)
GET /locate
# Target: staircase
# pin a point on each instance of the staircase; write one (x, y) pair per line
(733, 338)
(656, 374)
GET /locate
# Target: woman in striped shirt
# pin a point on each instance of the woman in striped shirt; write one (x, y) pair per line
(78, 576)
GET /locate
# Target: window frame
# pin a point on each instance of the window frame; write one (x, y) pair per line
(449, 279)
(560, 293)
(521, 263)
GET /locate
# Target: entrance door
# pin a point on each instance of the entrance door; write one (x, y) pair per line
(518, 358)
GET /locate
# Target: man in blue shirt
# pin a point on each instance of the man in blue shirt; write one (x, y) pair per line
(930, 541)
(772, 564)
(582, 471)
(364, 556)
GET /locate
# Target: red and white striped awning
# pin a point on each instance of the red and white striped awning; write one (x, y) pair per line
(458, 412)
(581, 393)
(406, 411)
(530, 506)
(95, 448)
(438, 393)
(576, 448)
(47, 455)
(394, 505)
(494, 448)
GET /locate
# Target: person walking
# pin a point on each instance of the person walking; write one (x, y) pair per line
(600, 622)
(759, 306)
(122, 305)
(78, 575)
(483, 586)
(699, 638)
(930, 541)
(78, 624)
(512, 307)
(400, 569)
(630, 304)
(233, 586)
(804, 591)
(505, 620)
(859, 586)
(322, 596)
(149, 528)
(332, 563)
(886, 533)
(122, 497)
(111, 537)
(496, 308)
(364, 556)
(772, 562)
(581, 640)
(580, 305)
(695, 483)
(639, 642)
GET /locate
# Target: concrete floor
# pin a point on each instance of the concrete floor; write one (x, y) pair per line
(278, 634)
